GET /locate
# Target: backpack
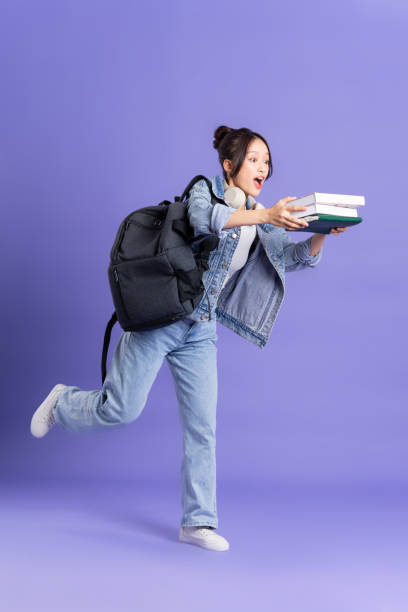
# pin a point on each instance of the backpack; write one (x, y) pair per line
(155, 277)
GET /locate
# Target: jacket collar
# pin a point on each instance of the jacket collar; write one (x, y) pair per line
(219, 184)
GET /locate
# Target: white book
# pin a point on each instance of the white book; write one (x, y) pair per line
(334, 199)
(324, 209)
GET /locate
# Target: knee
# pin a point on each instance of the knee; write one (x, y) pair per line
(204, 435)
(131, 413)
(120, 410)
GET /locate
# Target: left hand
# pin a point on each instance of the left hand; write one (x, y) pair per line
(337, 230)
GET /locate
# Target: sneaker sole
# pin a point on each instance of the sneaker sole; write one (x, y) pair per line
(201, 544)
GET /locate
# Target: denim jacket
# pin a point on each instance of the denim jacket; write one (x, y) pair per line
(250, 300)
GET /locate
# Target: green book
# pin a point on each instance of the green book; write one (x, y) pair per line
(322, 224)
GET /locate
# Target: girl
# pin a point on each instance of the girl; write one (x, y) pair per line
(244, 287)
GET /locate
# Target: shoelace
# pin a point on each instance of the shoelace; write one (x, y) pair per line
(49, 419)
(205, 531)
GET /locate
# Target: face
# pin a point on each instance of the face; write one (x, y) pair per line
(254, 169)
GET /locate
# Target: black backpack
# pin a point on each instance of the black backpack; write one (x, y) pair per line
(154, 273)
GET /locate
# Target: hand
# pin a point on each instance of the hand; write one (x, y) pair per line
(279, 214)
(337, 230)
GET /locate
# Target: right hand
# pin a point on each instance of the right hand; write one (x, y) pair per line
(279, 214)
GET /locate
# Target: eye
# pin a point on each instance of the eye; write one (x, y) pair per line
(254, 159)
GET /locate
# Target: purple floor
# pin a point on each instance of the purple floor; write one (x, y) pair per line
(113, 546)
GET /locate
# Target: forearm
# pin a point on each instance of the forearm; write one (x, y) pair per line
(247, 217)
(253, 217)
(316, 243)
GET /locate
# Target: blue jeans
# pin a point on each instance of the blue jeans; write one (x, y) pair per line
(190, 350)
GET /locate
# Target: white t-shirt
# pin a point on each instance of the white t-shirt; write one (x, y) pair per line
(240, 256)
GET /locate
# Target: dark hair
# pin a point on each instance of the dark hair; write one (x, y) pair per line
(233, 144)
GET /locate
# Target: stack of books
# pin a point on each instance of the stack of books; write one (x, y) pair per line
(327, 210)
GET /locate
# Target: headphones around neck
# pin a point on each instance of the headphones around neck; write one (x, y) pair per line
(234, 197)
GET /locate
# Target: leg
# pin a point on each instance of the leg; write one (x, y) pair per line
(136, 361)
(194, 369)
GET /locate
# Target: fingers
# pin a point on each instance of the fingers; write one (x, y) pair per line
(293, 207)
(337, 230)
(284, 201)
(291, 224)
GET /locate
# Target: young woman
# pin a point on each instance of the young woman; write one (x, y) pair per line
(244, 288)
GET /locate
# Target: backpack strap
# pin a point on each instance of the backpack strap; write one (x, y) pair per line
(195, 180)
(207, 244)
(106, 341)
(184, 228)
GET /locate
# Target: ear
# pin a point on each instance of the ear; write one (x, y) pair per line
(227, 165)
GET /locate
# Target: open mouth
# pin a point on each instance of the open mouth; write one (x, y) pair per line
(258, 182)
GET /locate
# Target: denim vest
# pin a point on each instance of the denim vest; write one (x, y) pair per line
(250, 300)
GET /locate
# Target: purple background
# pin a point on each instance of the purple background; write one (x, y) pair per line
(107, 107)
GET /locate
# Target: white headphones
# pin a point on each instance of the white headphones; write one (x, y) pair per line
(234, 197)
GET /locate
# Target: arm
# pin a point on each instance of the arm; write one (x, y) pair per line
(204, 217)
(317, 243)
(247, 217)
(207, 218)
(297, 255)
(318, 239)
(303, 254)
(308, 252)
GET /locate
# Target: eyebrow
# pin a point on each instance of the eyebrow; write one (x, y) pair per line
(254, 151)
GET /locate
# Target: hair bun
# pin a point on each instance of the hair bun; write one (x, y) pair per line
(219, 134)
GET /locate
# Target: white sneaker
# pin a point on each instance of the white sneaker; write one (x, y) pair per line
(43, 418)
(203, 536)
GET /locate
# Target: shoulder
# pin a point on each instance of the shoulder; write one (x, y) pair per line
(201, 189)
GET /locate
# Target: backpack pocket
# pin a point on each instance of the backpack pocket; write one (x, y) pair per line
(145, 292)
